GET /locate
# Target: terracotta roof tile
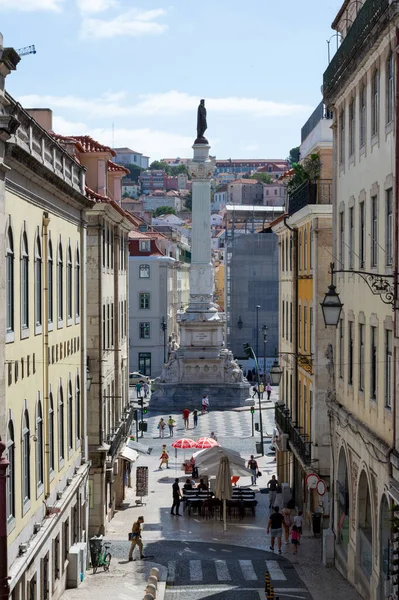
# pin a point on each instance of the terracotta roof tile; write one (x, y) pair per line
(114, 168)
(90, 145)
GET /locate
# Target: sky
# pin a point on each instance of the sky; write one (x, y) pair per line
(132, 73)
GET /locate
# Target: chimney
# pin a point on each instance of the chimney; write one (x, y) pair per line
(44, 116)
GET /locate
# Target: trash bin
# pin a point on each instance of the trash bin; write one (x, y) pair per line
(95, 549)
(316, 523)
(258, 447)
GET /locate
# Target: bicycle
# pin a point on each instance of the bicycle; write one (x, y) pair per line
(103, 558)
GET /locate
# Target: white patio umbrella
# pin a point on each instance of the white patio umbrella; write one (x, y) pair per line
(224, 490)
(208, 461)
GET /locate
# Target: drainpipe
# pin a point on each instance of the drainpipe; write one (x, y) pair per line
(45, 224)
(4, 577)
(83, 333)
(396, 244)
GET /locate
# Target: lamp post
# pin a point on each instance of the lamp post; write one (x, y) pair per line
(239, 322)
(4, 585)
(251, 354)
(264, 331)
(257, 329)
(164, 327)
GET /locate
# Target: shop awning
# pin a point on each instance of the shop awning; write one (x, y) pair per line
(128, 454)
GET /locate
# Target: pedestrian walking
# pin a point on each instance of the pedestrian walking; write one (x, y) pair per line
(186, 414)
(268, 391)
(298, 522)
(171, 424)
(194, 468)
(272, 485)
(205, 404)
(164, 457)
(274, 526)
(195, 417)
(261, 390)
(253, 467)
(176, 498)
(135, 538)
(161, 427)
(255, 390)
(146, 389)
(138, 389)
(295, 539)
(287, 523)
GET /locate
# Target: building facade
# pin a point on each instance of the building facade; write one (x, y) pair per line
(126, 156)
(359, 87)
(152, 179)
(245, 191)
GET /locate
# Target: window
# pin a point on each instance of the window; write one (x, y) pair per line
(363, 116)
(388, 368)
(51, 432)
(10, 281)
(305, 327)
(283, 320)
(361, 358)
(341, 137)
(38, 282)
(145, 331)
(108, 243)
(104, 233)
(342, 239)
(351, 127)
(103, 328)
(108, 331)
(112, 325)
(112, 248)
(290, 253)
(50, 283)
(283, 255)
(77, 284)
(24, 283)
(389, 227)
(39, 445)
(290, 321)
(61, 428)
(70, 416)
(311, 330)
(60, 284)
(311, 249)
(286, 321)
(77, 417)
(350, 353)
(351, 237)
(300, 326)
(145, 363)
(374, 231)
(374, 103)
(373, 362)
(144, 300)
(144, 271)
(362, 235)
(25, 458)
(145, 245)
(305, 249)
(390, 87)
(300, 251)
(69, 284)
(10, 481)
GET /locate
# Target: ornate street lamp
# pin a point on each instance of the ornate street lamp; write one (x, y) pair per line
(276, 373)
(331, 306)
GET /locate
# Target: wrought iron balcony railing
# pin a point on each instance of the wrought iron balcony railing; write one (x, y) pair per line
(310, 192)
(296, 439)
(365, 26)
(117, 441)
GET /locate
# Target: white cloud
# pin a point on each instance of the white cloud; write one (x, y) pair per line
(168, 103)
(131, 23)
(65, 127)
(32, 5)
(95, 6)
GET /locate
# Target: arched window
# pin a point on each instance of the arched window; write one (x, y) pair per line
(77, 284)
(77, 417)
(25, 458)
(69, 283)
(10, 281)
(60, 284)
(144, 271)
(39, 444)
(24, 282)
(50, 282)
(10, 482)
(70, 416)
(61, 430)
(38, 282)
(390, 87)
(51, 432)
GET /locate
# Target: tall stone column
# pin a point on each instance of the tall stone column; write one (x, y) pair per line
(201, 273)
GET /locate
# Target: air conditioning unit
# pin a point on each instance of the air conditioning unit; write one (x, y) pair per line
(23, 548)
(59, 495)
(37, 527)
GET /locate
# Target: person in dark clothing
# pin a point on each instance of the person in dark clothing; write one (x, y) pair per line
(176, 498)
(188, 485)
(275, 527)
(272, 485)
(202, 486)
(195, 416)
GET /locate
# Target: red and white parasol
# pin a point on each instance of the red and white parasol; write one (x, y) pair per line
(205, 442)
(184, 443)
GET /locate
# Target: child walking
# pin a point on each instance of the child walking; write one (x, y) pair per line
(294, 539)
(298, 522)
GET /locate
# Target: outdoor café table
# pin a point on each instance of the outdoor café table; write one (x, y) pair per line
(193, 499)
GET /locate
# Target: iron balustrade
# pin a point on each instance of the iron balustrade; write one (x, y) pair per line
(296, 439)
(368, 17)
(129, 420)
(117, 441)
(310, 192)
(319, 113)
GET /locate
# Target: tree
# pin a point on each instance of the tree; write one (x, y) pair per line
(308, 170)
(294, 156)
(135, 171)
(174, 171)
(263, 177)
(188, 201)
(163, 210)
(159, 165)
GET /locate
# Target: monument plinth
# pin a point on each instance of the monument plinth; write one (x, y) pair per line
(201, 364)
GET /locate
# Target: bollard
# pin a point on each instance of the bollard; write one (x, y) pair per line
(155, 573)
(270, 595)
(152, 579)
(148, 597)
(151, 589)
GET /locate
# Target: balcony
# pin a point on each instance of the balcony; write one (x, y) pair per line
(120, 435)
(317, 115)
(369, 22)
(310, 192)
(298, 442)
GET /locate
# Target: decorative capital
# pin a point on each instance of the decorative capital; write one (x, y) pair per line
(201, 170)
